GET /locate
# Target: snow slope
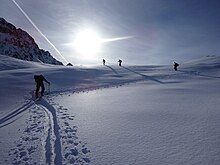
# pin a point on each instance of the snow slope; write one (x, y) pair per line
(110, 114)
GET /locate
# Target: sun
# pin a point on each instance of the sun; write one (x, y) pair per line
(87, 42)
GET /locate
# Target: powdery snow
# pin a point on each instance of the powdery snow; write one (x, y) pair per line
(110, 114)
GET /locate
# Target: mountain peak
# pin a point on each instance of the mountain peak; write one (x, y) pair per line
(17, 43)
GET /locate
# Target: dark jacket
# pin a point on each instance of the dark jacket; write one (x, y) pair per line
(39, 79)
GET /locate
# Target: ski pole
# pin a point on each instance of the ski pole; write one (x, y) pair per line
(49, 88)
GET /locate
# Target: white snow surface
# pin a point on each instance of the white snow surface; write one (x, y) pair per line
(111, 115)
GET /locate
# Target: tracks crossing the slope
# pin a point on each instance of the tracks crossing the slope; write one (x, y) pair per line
(53, 131)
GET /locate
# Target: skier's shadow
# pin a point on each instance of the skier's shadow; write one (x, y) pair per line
(113, 70)
(14, 115)
(198, 74)
(144, 76)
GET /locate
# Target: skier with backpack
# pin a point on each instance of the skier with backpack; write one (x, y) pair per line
(175, 65)
(119, 62)
(39, 79)
(103, 61)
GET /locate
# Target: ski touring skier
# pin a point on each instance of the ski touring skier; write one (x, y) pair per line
(119, 62)
(175, 65)
(39, 79)
(103, 61)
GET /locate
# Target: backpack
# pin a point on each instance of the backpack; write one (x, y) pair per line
(36, 78)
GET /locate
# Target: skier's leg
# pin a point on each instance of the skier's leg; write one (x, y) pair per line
(37, 90)
(42, 90)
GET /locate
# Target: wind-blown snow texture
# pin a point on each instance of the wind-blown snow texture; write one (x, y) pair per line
(110, 114)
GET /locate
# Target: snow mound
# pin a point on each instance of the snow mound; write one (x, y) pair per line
(10, 63)
(205, 63)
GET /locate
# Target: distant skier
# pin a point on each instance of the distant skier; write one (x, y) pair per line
(119, 62)
(175, 65)
(103, 61)
(39, 79)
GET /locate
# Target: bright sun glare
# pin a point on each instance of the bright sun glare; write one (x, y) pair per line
(87, 43)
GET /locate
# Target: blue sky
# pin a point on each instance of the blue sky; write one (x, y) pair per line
(158, 31)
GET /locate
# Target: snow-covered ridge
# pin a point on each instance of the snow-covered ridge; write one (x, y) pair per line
(19, 44)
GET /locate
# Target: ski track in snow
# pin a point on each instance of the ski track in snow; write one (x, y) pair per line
(49, 135)
(27, 146)
(14, 115)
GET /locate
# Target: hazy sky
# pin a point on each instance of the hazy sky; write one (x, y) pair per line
(157, 31)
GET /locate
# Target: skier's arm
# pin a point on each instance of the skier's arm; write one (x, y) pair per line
(46, 81)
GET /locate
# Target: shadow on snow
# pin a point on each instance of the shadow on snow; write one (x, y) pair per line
(51, 109)
(144, 76)
(196, 73)
(14, 114)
